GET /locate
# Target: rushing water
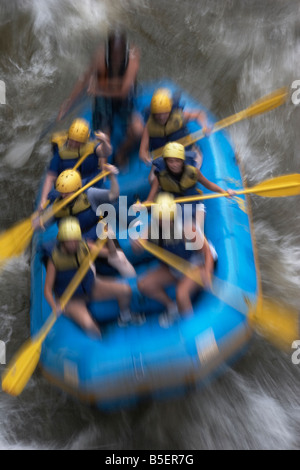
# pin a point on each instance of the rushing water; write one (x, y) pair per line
(226, 54)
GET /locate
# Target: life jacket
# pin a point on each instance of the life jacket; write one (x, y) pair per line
(186, 186)
(66, 266)
(174, 129)
(81, 209)
(69, 157)
(60, 139)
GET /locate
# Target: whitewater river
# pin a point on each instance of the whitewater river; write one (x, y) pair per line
(226, 54)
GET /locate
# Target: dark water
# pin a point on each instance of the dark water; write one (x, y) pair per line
(226, 54)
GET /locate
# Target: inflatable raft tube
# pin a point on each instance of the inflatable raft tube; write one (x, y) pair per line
(145, 360)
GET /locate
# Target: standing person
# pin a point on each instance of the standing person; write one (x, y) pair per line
(69, 147)
(111, 80)
(65, 259)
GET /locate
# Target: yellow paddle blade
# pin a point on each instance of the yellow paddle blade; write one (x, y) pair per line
(280, 186)
(278, 323)
(173, 260)
(23, 364)
(84, 267)
(15, 240)
(21, 368)
(268, 102)
(263, 105)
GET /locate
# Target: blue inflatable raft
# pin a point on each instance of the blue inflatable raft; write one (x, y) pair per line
(148, 361)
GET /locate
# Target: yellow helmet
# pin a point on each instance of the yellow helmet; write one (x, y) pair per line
(68, 181)
(161, 102)
(79, 131)
(69, 230)
(164, 207)
(174, 150)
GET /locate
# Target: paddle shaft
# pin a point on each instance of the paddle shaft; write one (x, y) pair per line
(23, 364)
(60, 205)
(259, 191)
(219, 288)
(67, 295)
(278, 323)
(81, 160)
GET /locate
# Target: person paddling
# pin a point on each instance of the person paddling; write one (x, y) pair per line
(168, 123)
(174, 175)
(155, 282)
(65, 259)
(85, 208)
(69, 147)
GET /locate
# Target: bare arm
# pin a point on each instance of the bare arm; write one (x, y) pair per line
(104, 252)
(154, 189)
(199, 116)
(208, 268)
(49, 284)
(49, 182)
(104, 150)
(144, 147)
(83, 83)
(209, 184)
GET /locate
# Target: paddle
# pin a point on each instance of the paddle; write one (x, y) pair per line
(280, 186)
(23, 364)
(263, 105)
(16, 239)
(278, 323)
(81, 160)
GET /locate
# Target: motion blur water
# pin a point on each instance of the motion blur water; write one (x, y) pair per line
(226, 54)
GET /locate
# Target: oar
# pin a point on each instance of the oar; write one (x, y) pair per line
(280, 186)
(278, 323)
(263, 105)
(15, 240)
(81, 160)
(23, 364)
